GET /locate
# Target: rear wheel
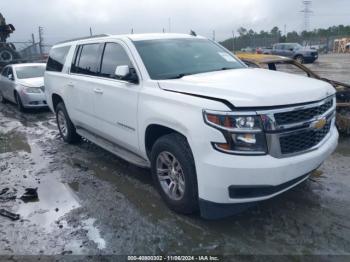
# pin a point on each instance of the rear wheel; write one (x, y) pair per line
(65, 125)
(19, 103)
(174, 173)
(299, 59)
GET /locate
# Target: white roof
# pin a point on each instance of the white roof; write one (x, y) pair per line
(28, 64)
(138, 37)
(133, 37)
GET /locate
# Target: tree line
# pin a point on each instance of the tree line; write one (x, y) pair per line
(249, 37)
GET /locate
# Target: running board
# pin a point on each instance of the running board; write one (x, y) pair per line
(114, 149)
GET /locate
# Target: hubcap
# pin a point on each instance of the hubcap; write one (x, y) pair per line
(62, 123)
(170, 175)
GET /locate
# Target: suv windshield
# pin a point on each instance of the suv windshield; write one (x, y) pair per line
(175, 58)
(30, 71)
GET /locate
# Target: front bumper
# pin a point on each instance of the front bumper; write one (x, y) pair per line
(310, 59)
(218, 172)
(33, 100)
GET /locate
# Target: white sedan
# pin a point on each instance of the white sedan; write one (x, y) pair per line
(23, 84)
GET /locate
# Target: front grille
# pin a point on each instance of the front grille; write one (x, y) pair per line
(314, 53)
(303, 114)
(303, 140)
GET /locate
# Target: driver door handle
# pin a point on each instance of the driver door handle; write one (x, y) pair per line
(98, 91)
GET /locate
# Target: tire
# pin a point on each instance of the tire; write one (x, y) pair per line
(19, 103)
(65, 126)
(299, 59)
(8, 55)
(2, 99)
(175, 146)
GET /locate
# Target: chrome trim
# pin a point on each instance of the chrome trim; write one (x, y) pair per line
(273, 140)
(273, 131)
(270, 124)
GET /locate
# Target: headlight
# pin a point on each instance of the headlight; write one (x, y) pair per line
(32, 90)
(242, 130)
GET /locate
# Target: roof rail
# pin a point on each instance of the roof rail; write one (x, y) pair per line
(82, 38)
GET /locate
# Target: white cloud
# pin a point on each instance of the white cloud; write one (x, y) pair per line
(63, 19)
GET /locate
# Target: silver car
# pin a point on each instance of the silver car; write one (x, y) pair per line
(23, 84)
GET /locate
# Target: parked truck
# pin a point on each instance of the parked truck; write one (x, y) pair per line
(218, 136)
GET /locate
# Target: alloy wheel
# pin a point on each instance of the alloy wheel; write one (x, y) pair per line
(62, 123)
(170, 175)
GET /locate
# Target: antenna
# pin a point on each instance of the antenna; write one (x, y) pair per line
(307, 13)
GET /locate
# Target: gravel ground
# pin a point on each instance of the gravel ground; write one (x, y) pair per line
(93, 203)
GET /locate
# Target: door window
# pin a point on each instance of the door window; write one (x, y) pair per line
(57, 58)
(114, 55)
(87, 60)
(10, 72)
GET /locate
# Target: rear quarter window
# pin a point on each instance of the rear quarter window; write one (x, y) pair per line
(57, 58)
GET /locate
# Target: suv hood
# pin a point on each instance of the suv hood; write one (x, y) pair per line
(32, 82)
(251, 87)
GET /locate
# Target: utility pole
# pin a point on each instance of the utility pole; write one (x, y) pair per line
(41, 40)
(233, 41)
(213, 35)
(307, 14)
(90, 31)
(132, 30)
(33, 39)
(285, 29)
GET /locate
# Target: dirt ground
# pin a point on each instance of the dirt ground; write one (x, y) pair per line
(93, 203)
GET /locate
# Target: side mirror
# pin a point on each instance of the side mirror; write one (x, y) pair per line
(126, 73)
(122, 71)
(10, 76)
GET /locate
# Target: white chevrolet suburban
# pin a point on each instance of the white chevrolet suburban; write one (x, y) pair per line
(218, 136)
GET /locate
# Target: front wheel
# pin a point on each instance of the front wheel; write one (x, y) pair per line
(300, 59)
(19, 103)
(65, 125)
(174, 173)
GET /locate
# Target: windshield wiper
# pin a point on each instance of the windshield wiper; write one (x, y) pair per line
(178, 76)
(226, 68)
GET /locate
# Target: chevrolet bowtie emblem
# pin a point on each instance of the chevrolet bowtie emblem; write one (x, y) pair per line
(319, 124)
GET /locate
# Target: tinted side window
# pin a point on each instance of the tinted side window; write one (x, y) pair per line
(4, 71)
(114, 55)
(57, 58)
(278, 47)
(88, 58)
(10, 71)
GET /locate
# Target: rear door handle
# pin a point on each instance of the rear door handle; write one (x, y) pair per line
(98, 91)
(70, 85)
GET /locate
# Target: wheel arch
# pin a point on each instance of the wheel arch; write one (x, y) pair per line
(56, 99)
(154, 131)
